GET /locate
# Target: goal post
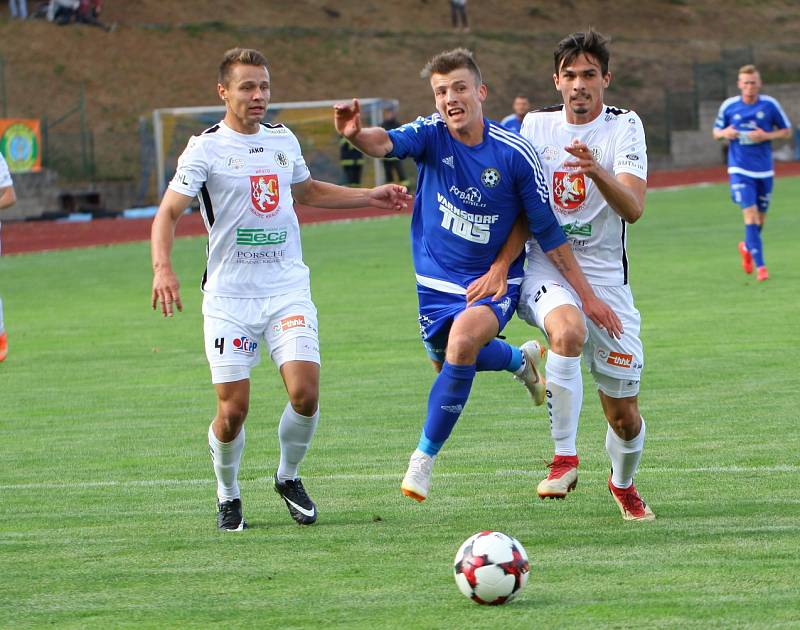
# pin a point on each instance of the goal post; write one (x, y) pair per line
(310, 121)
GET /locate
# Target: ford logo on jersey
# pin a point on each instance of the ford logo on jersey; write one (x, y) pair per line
(244, 345)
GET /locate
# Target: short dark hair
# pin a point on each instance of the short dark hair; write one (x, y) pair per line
(246, 56)
(449, 60)
(589, 43)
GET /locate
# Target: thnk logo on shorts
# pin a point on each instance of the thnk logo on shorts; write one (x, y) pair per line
(569, 190)
(264, 193)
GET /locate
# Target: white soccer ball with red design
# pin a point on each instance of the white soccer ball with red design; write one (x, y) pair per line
(491, 568)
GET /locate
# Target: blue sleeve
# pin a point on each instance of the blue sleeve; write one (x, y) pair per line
(780, 120)
(536, 200)
(722, 115)
(411, 139)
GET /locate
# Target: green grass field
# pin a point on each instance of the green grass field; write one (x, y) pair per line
(107, 514)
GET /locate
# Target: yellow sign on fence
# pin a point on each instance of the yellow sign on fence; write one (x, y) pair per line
(21, 144)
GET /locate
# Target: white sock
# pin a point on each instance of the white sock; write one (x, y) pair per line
(294, 433)
(564, 400)
(226, 457)
(2, 326)
(625, 456)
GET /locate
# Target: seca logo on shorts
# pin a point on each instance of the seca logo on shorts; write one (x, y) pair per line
(264, 193)
(618, 359)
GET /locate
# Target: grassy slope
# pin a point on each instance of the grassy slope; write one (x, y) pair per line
(163, 55)
(107, 515)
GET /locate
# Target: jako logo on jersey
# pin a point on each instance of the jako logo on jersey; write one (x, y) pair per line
(620, 360)
(471, 195)
(472, 227)
(264, 192)
(260, 236)
(244, 345)
(569, 190)
(293, 321)
(256, 150)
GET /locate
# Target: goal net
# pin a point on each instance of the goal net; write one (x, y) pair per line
(310, 121)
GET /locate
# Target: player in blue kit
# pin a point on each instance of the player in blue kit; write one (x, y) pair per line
(749, 123)
(475, 181)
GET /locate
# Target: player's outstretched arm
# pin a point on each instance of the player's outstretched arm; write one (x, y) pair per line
(324, 195)
(166, 288)
(595, 309)
(374, 141)
(495, 281)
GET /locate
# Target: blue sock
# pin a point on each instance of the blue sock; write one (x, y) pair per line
(497, 355)
(752, 239)
(445, 403)
(759, 228)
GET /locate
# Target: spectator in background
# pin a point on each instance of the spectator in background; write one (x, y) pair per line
(19, 9)
(458, 14)
(7, 199)
(63, 12)
(520, 107)
(352, 162)
(392, 166)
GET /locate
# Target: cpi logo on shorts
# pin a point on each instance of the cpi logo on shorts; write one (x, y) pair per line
(244, 345)
(264, 193)
(569, 190)
(617, 359)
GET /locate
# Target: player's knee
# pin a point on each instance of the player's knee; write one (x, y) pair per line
(231, 415)
(626, 423)
(461, 349)
(567, 336)
(304, 399)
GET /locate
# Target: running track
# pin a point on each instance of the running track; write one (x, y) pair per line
(35, 236)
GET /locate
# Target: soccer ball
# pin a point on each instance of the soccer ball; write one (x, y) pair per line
(491, 568)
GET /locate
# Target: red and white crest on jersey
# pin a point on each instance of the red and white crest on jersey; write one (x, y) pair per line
(264, 193)
(569, 190)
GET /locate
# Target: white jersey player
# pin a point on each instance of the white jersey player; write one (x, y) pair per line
(595, 161)
(7, 199)
(247, 176)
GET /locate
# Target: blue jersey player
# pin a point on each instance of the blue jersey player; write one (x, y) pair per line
(475, 181)
(749, 123)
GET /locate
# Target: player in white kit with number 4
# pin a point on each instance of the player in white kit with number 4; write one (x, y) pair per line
(256, 287)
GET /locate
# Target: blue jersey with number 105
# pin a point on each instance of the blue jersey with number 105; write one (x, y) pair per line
(468, 198)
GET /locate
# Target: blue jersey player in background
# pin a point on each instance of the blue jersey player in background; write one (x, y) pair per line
(475, 180)
(749, 123)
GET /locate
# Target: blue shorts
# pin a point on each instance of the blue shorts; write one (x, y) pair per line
(751, 191)
(438, 311)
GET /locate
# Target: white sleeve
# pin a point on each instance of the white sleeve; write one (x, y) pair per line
(631, 149)
(300, 172)
(192, 171)
(5, 175)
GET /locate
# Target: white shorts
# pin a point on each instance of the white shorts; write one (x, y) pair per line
(235, 328)
(615, 364)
